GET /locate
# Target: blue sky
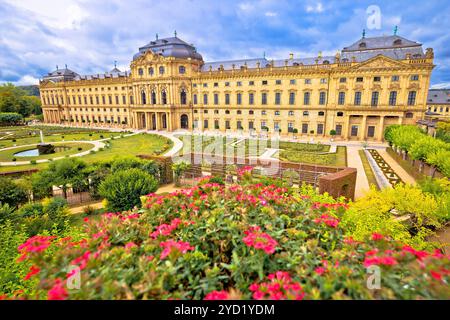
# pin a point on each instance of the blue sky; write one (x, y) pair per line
(88, 35)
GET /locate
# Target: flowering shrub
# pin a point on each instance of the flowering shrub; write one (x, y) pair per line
(211, 241)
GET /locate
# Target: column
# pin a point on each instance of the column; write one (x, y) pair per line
(364, 127)
(158, 121)
(168, 122)
(381, 129)
(147, 121)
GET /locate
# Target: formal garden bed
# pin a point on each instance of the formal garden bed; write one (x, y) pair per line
(313, 153)
(388, 172)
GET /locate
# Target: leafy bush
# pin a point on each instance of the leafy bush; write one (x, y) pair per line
(125, 163)
(405, 213)
(6, 213)
(240, 242)
(123, 189)
(10, 118)
(12, 193)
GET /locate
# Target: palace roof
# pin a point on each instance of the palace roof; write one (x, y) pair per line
(170, 47)
(438, 96)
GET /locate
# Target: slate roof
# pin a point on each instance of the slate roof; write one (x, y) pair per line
(61, 74)
(438, 96)
(381, 42)
(170, 47)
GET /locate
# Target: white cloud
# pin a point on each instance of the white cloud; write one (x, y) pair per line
(318, 8)
(270, 14)
(27, 80)
(443, 85)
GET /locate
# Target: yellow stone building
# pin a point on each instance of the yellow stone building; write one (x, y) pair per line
(373, 83)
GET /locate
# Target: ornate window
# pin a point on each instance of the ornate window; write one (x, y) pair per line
(151, 71)
(163, 97)
(183, 96)
(181, 69)
(143, 97)
(140, 71)
(161, 70)
(153, 97)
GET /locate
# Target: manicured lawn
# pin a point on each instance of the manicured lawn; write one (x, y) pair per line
(86, 136)
(149, 144)
(8, 155)
(338, 159)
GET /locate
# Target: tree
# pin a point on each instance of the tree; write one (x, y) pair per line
(11, 193)
(10, 118)
(15, 99)
(67, 172)
(123, 189)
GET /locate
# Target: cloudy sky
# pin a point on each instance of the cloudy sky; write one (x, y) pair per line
(89, 35)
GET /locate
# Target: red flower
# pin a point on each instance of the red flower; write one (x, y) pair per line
(279, 287)
(260, 240)
(34, 244)
(377, 236)
(57, 292)
(33, 270)
(328, 220)
(436, 275)
(217, 295)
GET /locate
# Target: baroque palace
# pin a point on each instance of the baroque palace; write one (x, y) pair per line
(373, 83)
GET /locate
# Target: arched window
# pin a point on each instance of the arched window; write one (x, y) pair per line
(183, 96)
(143, 97)
(163, 97)
(321, 113)
(397, 42)
(141, 71)
(362, 45)
(161, 70)
(153, 97)
(182, 69)
(340, 114)
(151, 71)
(326, 62)
(409, 115)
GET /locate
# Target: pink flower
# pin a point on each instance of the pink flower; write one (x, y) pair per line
(130, 245)
(57, 292)
(259, 240)
(34, 244)
(33, 270)
(217, 295)
(320, 270)
(170, 245)
(166, 229)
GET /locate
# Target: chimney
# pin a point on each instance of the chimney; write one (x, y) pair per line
(291, 56)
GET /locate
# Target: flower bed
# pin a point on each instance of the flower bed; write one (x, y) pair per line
(247, 241)
(390, 174)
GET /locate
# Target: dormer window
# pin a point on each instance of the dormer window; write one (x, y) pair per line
(397, 42)
(295, 64)
(326, 62)
(345, 60)
(362, 45)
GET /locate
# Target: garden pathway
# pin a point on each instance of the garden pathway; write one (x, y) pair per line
(354, 161)
(405, 176)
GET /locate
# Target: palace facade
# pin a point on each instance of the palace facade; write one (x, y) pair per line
(355, 94)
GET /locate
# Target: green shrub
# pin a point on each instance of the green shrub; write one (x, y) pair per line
(12, 193)
(123, 189)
